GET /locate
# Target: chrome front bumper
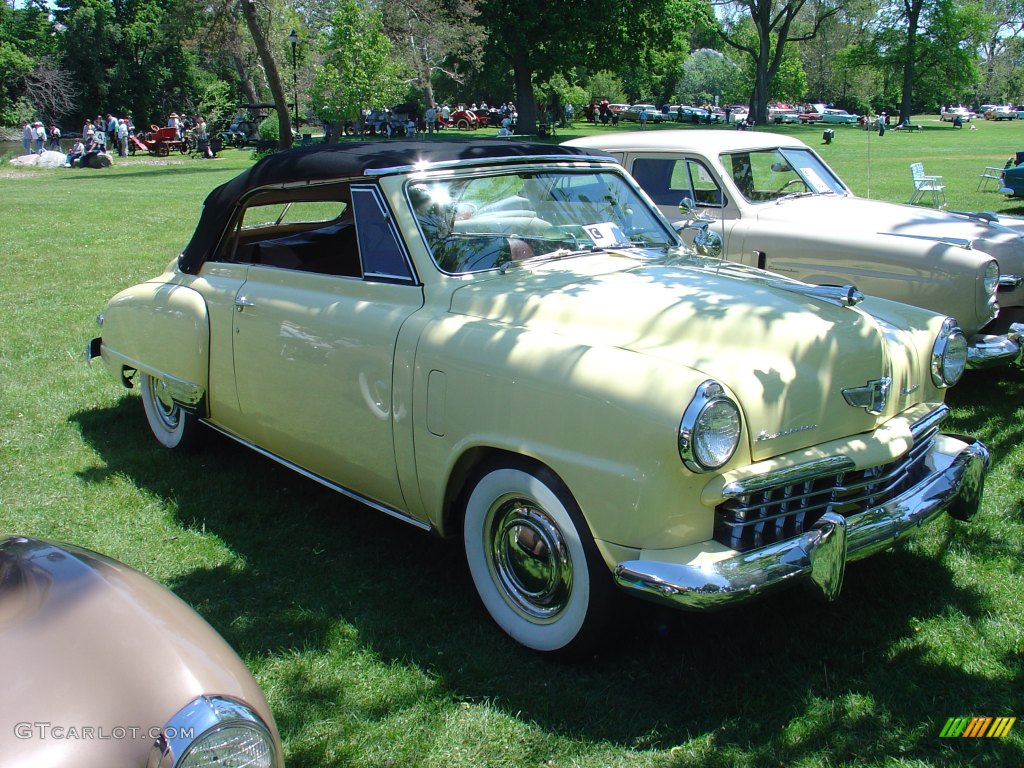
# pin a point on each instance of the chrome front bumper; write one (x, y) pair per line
(986, 351)
(818, 556)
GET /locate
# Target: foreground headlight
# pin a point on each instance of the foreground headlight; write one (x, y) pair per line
(211, 732)
(991, 278)
(949, 355)
(710, 429)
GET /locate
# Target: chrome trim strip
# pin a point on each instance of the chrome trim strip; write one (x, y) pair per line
(789, 476)
(814, 556)
(323, 480)
(479, 162)
(959, 242)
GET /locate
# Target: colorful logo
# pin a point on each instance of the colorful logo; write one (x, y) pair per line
(977, 727)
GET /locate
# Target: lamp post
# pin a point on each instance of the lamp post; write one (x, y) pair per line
(294, 37)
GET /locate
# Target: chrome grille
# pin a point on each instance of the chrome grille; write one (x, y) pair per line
(777, 512)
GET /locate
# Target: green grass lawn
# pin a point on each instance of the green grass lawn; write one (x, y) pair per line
(367, 635)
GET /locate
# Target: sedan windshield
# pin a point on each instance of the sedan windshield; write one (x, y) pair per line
(488, 222)
(769, 175)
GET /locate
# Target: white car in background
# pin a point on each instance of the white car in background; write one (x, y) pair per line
(773, 203)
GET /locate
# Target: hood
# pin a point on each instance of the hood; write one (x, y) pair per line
(855, 214)
(785, 355)
(99, 646)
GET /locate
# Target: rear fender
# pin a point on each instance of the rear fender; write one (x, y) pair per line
(162, 330)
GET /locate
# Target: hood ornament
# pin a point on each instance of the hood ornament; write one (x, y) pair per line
(872, 397)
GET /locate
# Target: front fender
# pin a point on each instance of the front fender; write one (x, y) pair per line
(945, 278)
(163, 330)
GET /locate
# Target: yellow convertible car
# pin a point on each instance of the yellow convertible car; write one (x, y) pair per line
(509, 344)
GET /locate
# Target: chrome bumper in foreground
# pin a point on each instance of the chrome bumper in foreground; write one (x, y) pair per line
(986, 351)
(820, 555)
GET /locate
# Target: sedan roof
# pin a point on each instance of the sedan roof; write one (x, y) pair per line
(708, 142)
(323, 162)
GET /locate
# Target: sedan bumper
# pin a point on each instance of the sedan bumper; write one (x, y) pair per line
(987, 351)
(819, 556)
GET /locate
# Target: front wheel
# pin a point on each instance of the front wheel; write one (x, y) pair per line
(533, 561)
(170, 423)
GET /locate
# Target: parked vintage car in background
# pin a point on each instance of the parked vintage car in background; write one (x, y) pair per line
(776, 205)
(104, 667)
(949, 114)
(506, 342)
(1000, 112)
(840, 116)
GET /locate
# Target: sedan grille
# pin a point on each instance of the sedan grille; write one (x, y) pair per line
(778, 512)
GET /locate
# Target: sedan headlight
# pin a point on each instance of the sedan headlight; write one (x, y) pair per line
(991, 278)
(214, 731)
(949, 355)
(709, 432)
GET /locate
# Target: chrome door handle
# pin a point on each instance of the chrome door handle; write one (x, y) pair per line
(241, 302)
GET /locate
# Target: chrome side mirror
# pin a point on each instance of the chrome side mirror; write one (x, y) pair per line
(708, 242)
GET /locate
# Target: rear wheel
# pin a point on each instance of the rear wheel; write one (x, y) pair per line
(462, 124)
(533, 560)
(170, 423)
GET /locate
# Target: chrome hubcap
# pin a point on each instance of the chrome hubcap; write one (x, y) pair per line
(529, 559)
(166, 409)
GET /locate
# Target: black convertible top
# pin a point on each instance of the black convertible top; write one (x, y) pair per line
(346, 160)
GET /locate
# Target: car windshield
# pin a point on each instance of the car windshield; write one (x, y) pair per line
(769, 175)
(488, 222)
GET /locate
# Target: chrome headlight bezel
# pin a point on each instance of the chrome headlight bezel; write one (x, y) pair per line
(710, 408)
(990, 278)
(203, 720)
(949, 355)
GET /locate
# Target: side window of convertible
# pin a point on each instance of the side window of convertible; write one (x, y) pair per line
(309, 233)
(384, 256)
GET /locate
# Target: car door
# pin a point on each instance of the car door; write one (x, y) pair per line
(667, 179)
(314, 336)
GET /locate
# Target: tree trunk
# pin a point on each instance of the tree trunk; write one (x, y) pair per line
(273, 75)
(913, 9)
(526, 103)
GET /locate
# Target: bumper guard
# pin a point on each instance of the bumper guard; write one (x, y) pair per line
(985, 351)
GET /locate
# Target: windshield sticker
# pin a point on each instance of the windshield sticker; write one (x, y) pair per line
(605, 234)
(817, 183)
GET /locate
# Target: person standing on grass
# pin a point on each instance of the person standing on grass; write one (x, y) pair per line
(122, 137)
(54, 138)
(26, 136)
(38, 137)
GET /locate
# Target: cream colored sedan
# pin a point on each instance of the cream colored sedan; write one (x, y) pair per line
(506, 343)
(775, 204)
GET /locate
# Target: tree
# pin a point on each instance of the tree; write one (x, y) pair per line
(710, 76)
(924, 50)
(536, 39)
(270, 70)
(436, 37)
(775, 26)
(359, 67)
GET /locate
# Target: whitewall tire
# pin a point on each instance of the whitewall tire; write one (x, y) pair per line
(533, 560)
(172, 425)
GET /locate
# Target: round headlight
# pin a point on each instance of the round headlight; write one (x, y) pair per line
(709, 432)
(214, 731)
(949, 355)
(991, 278)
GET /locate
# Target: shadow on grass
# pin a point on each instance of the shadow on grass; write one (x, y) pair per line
(182, 168)
(776, 682)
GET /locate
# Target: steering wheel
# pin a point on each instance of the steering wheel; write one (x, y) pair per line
(791, 182)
